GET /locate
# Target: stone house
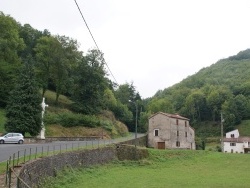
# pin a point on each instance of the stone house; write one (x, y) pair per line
(234, 143)
(168, 131)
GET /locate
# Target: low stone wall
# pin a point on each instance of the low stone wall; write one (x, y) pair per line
(129, 152)
(34, 172)
(142, 141)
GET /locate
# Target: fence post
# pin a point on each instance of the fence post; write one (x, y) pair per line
(48, 150)
(7, 171)
(24, 155)
(42, 152)
(17, 182)
(30, 155)
(13, 160)
(36, 153)
(17, 158)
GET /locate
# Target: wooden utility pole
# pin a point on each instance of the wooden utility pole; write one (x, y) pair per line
(221, 126)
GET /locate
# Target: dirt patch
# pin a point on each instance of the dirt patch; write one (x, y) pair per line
(13, 178)
(2, 180)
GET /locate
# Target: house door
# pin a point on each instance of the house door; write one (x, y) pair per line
(161, 145)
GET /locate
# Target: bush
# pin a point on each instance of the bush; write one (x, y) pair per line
(72, 120)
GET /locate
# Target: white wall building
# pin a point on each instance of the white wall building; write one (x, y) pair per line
(234, 143)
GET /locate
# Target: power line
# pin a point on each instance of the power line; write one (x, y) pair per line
(94, 40)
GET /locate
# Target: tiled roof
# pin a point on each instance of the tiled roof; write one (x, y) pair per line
(176, 116)
(238, 140)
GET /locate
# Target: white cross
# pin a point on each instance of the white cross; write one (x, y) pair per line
(43, 106)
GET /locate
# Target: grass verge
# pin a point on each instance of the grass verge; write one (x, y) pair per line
(164, 168)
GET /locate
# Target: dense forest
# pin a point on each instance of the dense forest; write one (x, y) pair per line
(223, 89)
(36, 61)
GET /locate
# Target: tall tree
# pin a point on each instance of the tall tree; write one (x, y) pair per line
(125, 93)
(90, 83)
(30, 37)
(196, 104)
(10, 45)
(23, 110)
(163, 105)
(68, 60)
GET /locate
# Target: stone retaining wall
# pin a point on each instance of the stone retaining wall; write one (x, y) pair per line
(34, 172)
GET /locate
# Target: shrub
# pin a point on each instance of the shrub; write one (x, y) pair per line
(72, 120)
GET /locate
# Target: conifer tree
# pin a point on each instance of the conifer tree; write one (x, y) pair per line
(23, 109)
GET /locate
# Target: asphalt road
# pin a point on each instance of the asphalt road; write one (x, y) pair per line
(15, 150)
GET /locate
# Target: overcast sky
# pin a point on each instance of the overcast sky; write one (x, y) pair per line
(152, 43)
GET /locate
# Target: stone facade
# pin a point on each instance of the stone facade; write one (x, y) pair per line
(167, 131)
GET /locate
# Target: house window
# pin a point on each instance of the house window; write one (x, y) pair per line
(185, 124)
(156, 132)
(232, 135)
(177, 144)
(186, 134)
(177, 133)
(177, 122)
(232, 144)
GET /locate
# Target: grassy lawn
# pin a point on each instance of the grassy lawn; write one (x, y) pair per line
(164, 168)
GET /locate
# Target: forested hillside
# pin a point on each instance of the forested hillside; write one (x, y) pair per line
(33, 62)
(223, 88)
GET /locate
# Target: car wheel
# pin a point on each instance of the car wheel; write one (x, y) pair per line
(1, 141)
(20, 142)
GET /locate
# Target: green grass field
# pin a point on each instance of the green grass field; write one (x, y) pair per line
(164, 168)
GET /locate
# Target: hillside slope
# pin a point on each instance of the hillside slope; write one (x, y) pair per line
(220, 89)
(60, 121)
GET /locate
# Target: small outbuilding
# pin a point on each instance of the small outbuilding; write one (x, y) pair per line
(168, 131)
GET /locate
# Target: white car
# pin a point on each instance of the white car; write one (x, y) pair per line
(12, 138)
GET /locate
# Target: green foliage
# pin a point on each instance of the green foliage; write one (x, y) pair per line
(221, 88)
(244, 128)
(68, 119)
(30, 37)
(128, 97)
(10, 45)
(241, 55)
(2, 120)
(23, 110)
(163, 105)
(61, 67)
(10, 41)
(89, 90)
